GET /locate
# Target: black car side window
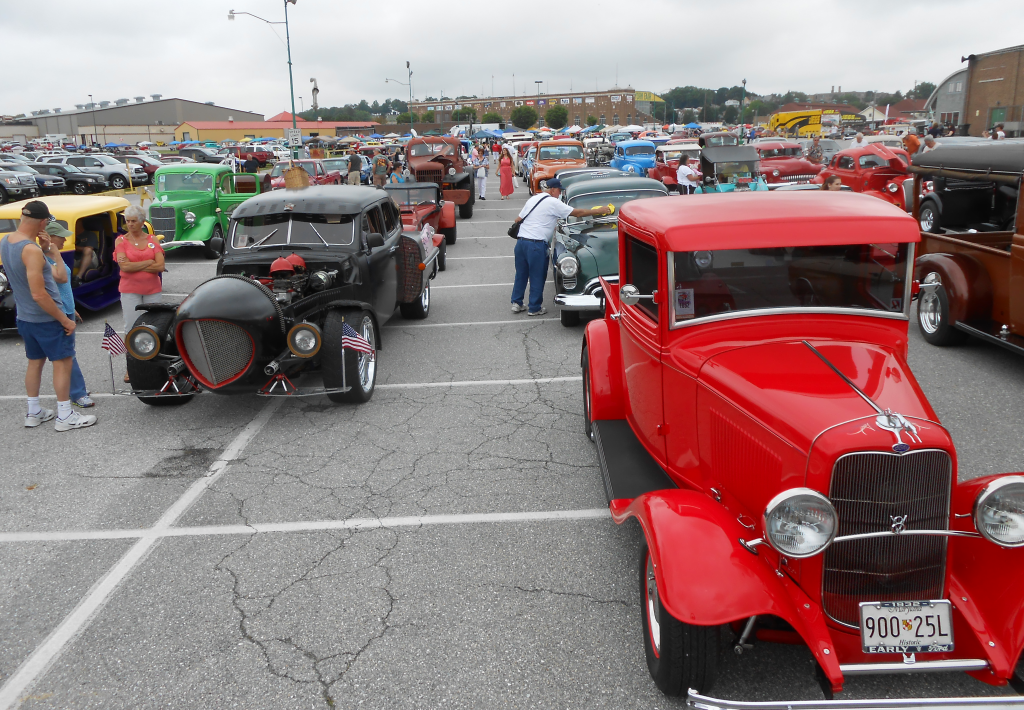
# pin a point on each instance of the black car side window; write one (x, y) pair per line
(389, 216)
(376, 221)
(642, 272)
(846, 162)
(78, 162)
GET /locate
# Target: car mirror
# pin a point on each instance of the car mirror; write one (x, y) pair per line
(217, 244)
(374, 240)
(630, 295)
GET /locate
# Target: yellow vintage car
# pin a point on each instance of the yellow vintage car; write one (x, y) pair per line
(102, 215)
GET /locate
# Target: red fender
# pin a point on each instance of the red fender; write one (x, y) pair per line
(607, 399)
(966, 282)
(994, 611)
(705, 577)
(447, 220)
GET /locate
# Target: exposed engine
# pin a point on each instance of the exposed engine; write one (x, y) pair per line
(290, 280)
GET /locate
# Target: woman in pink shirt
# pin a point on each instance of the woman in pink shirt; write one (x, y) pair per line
(141, 260)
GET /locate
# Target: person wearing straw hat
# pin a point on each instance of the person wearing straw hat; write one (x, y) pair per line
(62, 275)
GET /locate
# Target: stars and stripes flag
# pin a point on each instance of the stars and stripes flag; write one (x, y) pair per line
(112, 342)
(354, 341)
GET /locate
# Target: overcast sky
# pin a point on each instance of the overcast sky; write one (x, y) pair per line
(189, 49)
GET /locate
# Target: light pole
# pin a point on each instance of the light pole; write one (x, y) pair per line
(288, 44)
(93, 107)
(316, 93)
(743, 100)
(538, 83)
(409, 84)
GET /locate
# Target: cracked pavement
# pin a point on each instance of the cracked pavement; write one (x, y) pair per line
(503, 614)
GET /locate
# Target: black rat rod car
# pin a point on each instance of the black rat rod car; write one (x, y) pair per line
(307, 279)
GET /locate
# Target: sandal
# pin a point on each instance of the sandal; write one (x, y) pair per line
(127, 379)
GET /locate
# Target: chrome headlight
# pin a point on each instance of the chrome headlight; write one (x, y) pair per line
(703, 259)
(568, 266)
(800, 522)
(775, 173)
(893, 187)
(3, 282)
(451, 171)
(143, 342)
(190, 218)
(999, 511)
(304, 340)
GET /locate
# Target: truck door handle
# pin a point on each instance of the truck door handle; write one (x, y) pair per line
(393, 249)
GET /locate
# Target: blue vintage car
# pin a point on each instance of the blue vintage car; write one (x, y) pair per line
(526, 164)
(634, 156)
(731, 168)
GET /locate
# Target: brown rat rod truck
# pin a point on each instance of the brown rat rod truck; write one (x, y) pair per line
(970, 262)
(438, 159)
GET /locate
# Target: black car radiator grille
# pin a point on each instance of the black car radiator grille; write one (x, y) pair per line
(162, 219)
(871, 492)
(430, 174)
(217, 350)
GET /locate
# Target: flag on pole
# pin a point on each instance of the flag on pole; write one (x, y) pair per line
(112, 342)
(354, 341)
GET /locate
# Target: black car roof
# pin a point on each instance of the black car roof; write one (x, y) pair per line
(729, 153)
(323, 199)
(995, 156)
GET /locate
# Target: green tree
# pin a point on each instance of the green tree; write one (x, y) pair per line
(523, 116)
(464, 114)
(921, 91)
(404, 118)
(882, 99)
(492, 117)
(428, 117)
(730, 114)
(557, 116)
(591, 120)
(689, 116)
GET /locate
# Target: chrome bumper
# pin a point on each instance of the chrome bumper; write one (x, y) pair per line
(182, 243)
(701, 702)
(576, 302)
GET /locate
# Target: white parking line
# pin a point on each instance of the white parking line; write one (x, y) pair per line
(467, 258)
(409, 521)
(434, 288)
(83, 614)
(475, 322)
(491, 221)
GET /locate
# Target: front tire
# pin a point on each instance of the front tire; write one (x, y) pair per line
(360, 368)
(450, 234)
(418, 309)
(569, 318)
(679, 655)
(588, 417)
(118, 182)
(929, 218)
(466, 210)
(442, 257)
(3, 196)
(933, 318)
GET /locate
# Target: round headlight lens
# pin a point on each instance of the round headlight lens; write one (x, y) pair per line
(776, 173)
(800, 522)
(143, 343)
(568, 266)
(304, 340)
(3, 282)
(451, 171)
(999, 511)
(893, 187)
(190, 218)
(702, 259)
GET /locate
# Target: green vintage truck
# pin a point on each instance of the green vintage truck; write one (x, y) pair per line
(194, 201)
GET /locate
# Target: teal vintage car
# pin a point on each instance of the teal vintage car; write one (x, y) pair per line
(585, 249)
(194, 201)
(730, 168)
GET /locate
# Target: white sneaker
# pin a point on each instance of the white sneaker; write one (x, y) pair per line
(44, 415)
(75, 421)
(516, 308)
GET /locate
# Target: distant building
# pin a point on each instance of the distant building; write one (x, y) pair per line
(124, 122)
(995, 92)
(273, 128)
(946, 104)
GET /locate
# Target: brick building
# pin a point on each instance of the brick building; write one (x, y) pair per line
(615, 106)
(995, 90)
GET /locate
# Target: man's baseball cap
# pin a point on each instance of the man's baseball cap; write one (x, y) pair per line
(54, 229)
(553, 184)
(36, 209)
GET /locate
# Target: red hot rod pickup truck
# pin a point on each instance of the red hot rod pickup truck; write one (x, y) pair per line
(749, 394)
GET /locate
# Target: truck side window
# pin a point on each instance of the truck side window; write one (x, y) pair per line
(845, 162)
(376, 222)
(389, 216)
(642, 272)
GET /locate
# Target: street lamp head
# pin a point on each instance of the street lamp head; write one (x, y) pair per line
(291, 1)
(231, 14)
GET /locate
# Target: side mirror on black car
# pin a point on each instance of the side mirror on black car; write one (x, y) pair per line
(374, 240)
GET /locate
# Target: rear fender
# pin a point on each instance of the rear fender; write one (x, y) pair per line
(447, 215)
(966, 282)
(706, 577)
(995, 611)
(601, 338)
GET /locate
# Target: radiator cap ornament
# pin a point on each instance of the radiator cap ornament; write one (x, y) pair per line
(897, 423)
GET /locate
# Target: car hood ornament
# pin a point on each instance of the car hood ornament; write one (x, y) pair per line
(897, 424)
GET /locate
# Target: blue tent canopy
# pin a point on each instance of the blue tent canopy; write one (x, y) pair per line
(174, 143)
(376, 135)
(692, 125)
(116, 145)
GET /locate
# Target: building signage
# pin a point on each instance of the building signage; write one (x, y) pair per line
(447, 107)
(590, 99)
(629, 98)
(529, 103)
(615, 98)
(648, 96)
(564, 101)
(542, 102)
(488, 104)
(503, 104)
(519, 103)
(577, 100)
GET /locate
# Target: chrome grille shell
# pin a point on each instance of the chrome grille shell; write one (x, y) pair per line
(868, 490)
(217, 350)
(163, 220)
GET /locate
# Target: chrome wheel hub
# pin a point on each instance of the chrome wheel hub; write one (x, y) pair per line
(929, 310)
(425, 298)
(927, 220)
(652, 607)
(367, 363)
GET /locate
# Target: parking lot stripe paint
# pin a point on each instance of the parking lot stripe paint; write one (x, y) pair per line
(409, 521)
(434, 288)
(468, 258)
(480, 383)
(478, 322)
(46, 653)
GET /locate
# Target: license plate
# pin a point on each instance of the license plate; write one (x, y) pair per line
(906, 627)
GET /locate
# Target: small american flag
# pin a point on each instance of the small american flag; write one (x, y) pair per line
(354, 341)
(112, 342)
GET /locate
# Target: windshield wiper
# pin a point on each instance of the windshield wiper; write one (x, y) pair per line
(318, 234)
(262, 240)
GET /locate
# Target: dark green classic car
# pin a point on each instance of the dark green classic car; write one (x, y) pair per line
(584, 249)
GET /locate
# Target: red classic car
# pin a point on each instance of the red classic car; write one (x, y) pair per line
(875, 170)
(749, 394)
(666, 162)
(318, 174)
(422, 207)
(784, 162)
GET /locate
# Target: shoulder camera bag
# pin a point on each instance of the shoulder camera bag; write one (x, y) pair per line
(513, 231)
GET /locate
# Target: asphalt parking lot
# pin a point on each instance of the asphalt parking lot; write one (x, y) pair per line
(445, 545)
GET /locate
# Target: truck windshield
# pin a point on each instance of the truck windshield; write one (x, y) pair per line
(421, 149)
(870, 277)
(782, 153)
(310, 229)
(173, 182)
(640, 150)
(721, 140)
(279, 169)
(413, 196)
(561, 152)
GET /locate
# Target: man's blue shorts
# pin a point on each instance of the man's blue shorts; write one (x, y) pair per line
(46, 340)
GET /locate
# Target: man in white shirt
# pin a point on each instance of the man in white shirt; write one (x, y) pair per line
(858, 141)
(538, 219)
(686, 178)
(930, 144)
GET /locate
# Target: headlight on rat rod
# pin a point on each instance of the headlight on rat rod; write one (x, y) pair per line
(143, 342)
(304, 340)
(800, 523)
(999, 511)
